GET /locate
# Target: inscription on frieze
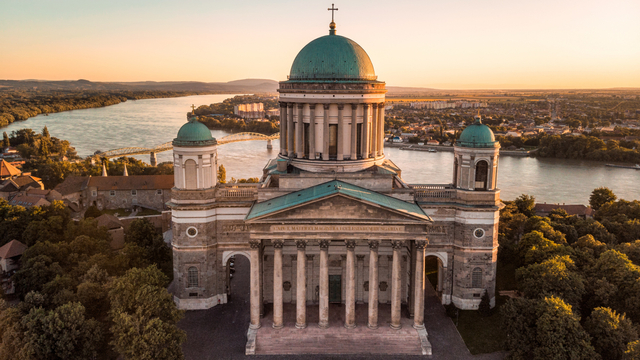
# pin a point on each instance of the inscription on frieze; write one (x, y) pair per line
(235, 228)
(338, 228)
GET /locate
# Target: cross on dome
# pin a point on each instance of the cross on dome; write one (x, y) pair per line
(332, 25)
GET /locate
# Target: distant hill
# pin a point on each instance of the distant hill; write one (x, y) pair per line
(236, 86)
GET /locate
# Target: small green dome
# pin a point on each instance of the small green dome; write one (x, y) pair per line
(194, 133)
(477, 135)
(332, 57)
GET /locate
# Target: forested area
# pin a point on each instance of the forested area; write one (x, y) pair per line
(16, 105)
(239, 125)
(589, 148)
(81, 300)
(226, 107)
(52, 159)
(579, 280)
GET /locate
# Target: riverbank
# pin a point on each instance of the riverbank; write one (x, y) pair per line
(440, 148)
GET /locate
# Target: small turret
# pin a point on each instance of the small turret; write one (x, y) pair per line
(125, 173)
(104, 169)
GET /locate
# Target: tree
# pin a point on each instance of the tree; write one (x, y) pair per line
(610, 331)
(555, 276)
(633, 351)
(63, 333)
(526, 204)
(92, 212)
(45, 133)
(601, 196)
(222, 174)
(485, 304)
(143, 233)
(5, 140)
(145, 317)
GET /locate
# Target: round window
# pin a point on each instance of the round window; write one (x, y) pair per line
(191, 232)
(478, 233)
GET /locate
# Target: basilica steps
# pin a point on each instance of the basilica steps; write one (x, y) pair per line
(337, 339)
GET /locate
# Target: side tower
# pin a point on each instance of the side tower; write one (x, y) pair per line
(476, 223)
(332, 108)
(193, 222)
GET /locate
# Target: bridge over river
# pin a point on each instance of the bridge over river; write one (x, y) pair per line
(130, 151)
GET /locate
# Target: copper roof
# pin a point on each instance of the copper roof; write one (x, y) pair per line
(11, 249)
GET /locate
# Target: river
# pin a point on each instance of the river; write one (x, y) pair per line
(151, 122)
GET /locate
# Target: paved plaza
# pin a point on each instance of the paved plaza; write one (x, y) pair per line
(220, 332)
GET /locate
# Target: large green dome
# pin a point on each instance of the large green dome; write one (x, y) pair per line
(477, 135)
(194, 133)
(334, 58)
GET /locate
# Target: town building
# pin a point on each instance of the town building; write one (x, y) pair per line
(249, 111)
(116, 192)
(332, 220)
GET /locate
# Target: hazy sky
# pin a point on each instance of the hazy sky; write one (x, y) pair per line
(441, 44)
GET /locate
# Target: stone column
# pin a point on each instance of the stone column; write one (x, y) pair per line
(373, 284)
(277, 284)
(325, 133)
(301, 286)
(395, 285)
(350, 300)
(354, 131)
(418, 317)
(380, 129)
(283, 128)
(365, 131)
(300, 133)
(374, 130)
(290, 150)
(340, 131)
(312, 131)
(324, 284)
(255, 284)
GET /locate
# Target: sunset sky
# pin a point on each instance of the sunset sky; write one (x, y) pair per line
(454, 44)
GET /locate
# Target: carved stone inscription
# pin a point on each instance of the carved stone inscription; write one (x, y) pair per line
(337, 228)
(235, 228)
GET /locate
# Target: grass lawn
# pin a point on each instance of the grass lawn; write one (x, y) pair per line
(482, 334)
(121, 212)
(146, 212)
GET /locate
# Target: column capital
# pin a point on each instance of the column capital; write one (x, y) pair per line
(326, 106)
(397, 244)
(373, 244)
(324, 244)
(255, 244)
(351, 244)
(300, 105)
(277, 244)
(301, 244)
(421, 244)
(381, 104)
(290, 105)
(340, 106)
(282, 104)
(309, 257)
(360, 257)
(374, 105)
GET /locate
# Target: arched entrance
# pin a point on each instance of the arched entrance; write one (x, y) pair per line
(237, 268)
(434, 273)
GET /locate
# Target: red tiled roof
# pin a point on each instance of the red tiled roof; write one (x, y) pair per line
(109, 221)
(72, 184)
(580, 210)
(28, 201)
(7, 170)
(11, 249)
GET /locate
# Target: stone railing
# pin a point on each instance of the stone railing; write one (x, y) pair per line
(235, 191)
(433, 192)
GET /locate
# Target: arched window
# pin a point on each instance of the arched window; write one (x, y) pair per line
(482, 174)
(192, 278)
(191, 174)
(476, 278)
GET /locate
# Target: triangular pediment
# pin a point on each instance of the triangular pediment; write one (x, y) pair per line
(337, 201)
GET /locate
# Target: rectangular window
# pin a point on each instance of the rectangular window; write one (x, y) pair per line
(359, 141)
(333, 141)
(134, 192)
(94, 193)
(306, 140)
(159, 192)
(112, 193)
